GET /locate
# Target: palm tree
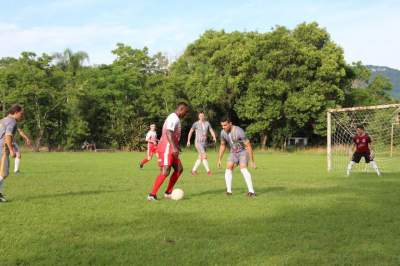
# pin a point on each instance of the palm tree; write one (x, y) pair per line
(70, 61)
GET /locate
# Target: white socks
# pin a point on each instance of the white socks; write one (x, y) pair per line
(349, 166)
(228, 180)
(16, 164)
(205, 163)
(247, 177)
(196, 165)
(375, 167)
(372, 164)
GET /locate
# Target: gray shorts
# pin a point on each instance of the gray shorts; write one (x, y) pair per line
(201, 147)
(16, 147)
(4, 162)
(239, 158)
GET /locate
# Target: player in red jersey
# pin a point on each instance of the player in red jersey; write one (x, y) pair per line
(362, 148)
(151, 138)
(168, 151)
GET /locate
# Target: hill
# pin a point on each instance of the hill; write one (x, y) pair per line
(391, 73)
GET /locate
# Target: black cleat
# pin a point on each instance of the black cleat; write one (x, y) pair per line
(2, 198)
(151, 197)
(251, 194)
(228, 193)
(141, 166)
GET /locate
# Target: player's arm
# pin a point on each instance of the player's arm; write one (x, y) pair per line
(9, 141)
(213, 134)
(249, 150)
(190, 136)
(221, 152)
(24, 136)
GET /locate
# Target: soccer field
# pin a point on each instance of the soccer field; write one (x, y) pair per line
(91, 208)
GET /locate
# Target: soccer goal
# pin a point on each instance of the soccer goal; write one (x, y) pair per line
(382, 124)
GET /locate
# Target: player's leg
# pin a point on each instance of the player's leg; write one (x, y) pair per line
(165, 170)
(355, 159)
(4, 168)
(243, 162)
(230, 165)
(165, 162)
(147, 158)
(204, 158)
(369, 160)
(178, 169)
(198, 161)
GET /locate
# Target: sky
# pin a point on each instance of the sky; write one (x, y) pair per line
(368, 31)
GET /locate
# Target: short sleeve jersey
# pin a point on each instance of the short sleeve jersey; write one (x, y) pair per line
(151, 136)
(173, 124)
(236, 139)
(8, 126)
(362, 143)
(201, 129)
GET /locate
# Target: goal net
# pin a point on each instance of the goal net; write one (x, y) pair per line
(381, 123)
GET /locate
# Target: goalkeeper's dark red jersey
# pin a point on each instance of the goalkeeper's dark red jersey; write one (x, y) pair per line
(362, 143)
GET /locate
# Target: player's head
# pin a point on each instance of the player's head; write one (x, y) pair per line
(16, 111)
(202, 117)
(182, 109)
(153, 127)
(226, 123)
(360, 130)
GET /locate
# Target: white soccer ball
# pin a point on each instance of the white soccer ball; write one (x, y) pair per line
(177, 194)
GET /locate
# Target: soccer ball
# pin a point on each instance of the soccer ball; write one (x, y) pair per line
(177, 194)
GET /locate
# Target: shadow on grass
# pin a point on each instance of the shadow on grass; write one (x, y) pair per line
(70, 194)
(259, 191)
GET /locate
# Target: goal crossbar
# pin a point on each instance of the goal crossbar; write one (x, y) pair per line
(373, 107)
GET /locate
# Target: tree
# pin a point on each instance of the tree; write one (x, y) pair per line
(38, 86)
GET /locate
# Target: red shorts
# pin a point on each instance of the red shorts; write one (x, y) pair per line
(151, 149)
(166, 158)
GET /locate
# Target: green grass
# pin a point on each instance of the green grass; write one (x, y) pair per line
(91, 208)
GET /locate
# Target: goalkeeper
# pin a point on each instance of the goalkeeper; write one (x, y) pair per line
(362, 148)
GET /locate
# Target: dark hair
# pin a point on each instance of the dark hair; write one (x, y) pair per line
(15, 108)
(201, 112)
(360, 127)
(226, 118)
(182, 104)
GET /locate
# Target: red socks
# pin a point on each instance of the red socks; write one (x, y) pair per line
(144, 161)
(160, 180)
(172, 180)
(157, 184)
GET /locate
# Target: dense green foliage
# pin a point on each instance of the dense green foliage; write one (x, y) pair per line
(96, 213)
(276, 84)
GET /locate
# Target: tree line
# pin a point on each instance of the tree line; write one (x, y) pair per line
(275, 84)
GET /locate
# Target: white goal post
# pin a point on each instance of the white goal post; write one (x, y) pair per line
(381, 122)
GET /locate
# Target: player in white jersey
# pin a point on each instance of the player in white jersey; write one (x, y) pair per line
(241, 152)
(8, 128)
(201, 128)
(168, 152)
(151, 138)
